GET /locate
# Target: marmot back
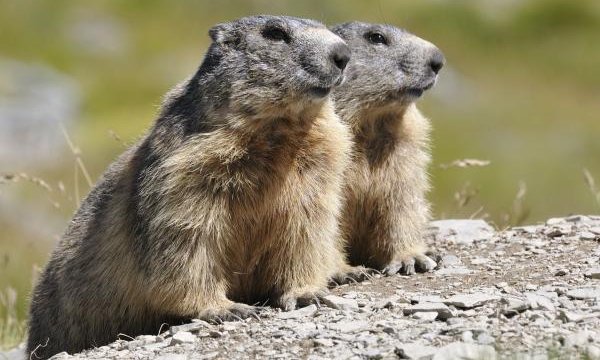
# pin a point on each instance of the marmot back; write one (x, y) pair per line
(386, 209)
(232, 198)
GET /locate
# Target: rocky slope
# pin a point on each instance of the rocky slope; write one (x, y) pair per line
(527, 292)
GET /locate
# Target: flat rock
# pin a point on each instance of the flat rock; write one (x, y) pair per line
(588, 235)
(426, 316)
(347, 326)
(513, 305)
(426, 298)
(469, 301)
(340, 303)
(580, 338)
(415, 351)
(441, 309)
(537, 301)
(465, 351)
(450, 260)
(584, 293)
(464, 231)
(459, 270)
(593, 273)
(183, 337)
(306, 311)
(195, 325)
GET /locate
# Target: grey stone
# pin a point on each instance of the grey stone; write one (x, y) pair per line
(61, 355)
(485, 339)
(454, 271)
(172, 357)
(426, 298)
(593, 273)
(570, 316)
(183, 337)
(195, 325)
(580, 338)
(323, 342)
(306, 311)
(415, 351)
(531, 229)
(442, 310)
(347, 326)
(450, 260)
(588, 235)
(592, 352)
(584, 293)
(537, 301)
(465, 351)
(469, 301)
(426, 316)
(513, 306)
(340, 303)
(464, 231)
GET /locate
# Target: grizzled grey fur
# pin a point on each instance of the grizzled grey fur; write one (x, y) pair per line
(386, 208)
(231, 199)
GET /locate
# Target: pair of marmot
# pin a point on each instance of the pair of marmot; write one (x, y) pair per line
(249, 188)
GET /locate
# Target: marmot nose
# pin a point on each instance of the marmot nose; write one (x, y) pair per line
(436, 61)
(340, 55)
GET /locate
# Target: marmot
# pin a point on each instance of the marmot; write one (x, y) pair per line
(386, 207)
(232, 197)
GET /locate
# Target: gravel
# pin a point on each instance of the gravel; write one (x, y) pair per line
(522, 293)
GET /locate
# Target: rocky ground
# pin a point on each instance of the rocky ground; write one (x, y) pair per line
(527, 292)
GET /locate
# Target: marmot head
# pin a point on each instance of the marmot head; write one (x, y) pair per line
(389, 66)
(261, 63)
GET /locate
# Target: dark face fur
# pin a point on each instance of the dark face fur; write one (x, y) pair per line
(388, 66)
(274, 60)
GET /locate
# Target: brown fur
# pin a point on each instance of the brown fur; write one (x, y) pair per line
(231, 199)
(386, 208)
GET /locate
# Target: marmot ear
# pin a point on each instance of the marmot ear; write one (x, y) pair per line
(221, 33)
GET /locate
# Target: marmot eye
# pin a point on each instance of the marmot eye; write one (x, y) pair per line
(377, 38)
(275, 34)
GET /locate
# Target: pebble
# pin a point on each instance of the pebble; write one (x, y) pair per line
(588, 235)
(415, 351)
(183, 337)
(462, 231)
(513, 306)
(195, 325)
(306, 311)
(580, 338)
(465, 351)
(593, 273)
(469, 301)
(426, 316)
(450, 260)
(460, 270)
(485, 339)
(584, 293)
(323, 342)
(443, 312)
(340, 303)
(537, 301)
(426, 298)
(348, 326)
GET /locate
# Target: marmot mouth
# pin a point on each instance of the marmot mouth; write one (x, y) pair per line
(418, 91)
(319, 91)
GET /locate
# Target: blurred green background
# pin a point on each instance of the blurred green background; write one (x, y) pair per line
(521, 89)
